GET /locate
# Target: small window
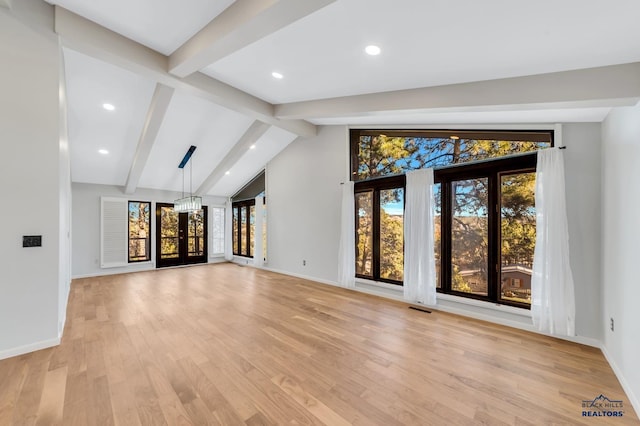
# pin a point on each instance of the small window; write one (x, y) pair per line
(139, 231)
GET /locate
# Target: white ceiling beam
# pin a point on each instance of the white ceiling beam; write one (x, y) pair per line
(91, 39)
(155, 116)
(615, 85)
(241, 24)
(251, 136)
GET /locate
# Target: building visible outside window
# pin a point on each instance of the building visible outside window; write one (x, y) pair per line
(483, 201)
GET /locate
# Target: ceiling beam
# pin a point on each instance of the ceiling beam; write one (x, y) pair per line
(91, 39)
(251, 136)
(242, 23)
(615, 85)
(155, 116)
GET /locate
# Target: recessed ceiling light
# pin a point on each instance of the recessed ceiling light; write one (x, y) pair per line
(227, 172)
(277, 75)
(103, 151)
(252, 147)
(108, 107)
(372, 50)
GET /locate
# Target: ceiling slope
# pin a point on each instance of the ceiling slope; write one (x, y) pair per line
(91, 39)
(242, 23)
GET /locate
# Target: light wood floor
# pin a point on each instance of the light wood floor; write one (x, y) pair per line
(231, 345)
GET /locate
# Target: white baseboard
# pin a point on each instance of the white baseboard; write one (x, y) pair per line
(635, 402)
(304, 277)
(31, 347)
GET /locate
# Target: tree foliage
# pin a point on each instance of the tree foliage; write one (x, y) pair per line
(383, 155)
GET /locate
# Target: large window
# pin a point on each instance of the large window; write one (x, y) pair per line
(139, 231)
(244, 216)
(484, 207)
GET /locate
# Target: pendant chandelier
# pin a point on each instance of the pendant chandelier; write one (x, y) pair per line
(192, 202)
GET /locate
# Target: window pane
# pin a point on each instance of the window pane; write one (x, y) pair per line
(469, 236)
(139, 231)
(437, 231)
(243, 231)
(383, 155)
(252, 229)
(196, 233)
(392, 234)
(364, 233)
(169, 233)
(518, 236)
(235, 230)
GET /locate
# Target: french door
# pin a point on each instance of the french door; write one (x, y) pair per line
(181, 238)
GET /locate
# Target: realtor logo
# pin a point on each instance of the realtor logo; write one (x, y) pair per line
(601, 406)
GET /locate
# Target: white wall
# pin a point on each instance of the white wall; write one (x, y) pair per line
(620, 239)
(582, 179)
(64, 229)
(86, 225)
(303, 195)
(30, 305)
(303, 204)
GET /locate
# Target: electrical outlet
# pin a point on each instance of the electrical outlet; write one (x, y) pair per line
(304, 262)
(612, 324)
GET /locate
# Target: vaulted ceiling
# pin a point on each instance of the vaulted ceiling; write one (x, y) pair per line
(199, 72)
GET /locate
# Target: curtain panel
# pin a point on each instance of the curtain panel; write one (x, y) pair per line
(258, 250)
(552, 287)
(419, 255)
(228, 231)
(346, 250)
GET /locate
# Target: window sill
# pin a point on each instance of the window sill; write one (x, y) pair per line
(380, 284)
(485, 305)
(397, 292)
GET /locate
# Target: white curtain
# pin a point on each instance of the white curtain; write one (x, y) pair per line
(419, 256)
(347, 250)
(552, 291)
(228, 231)
(258, 252)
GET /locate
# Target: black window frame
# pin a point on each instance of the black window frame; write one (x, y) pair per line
(240, 233)
(377, 185)
(148, 238)
(493, 169)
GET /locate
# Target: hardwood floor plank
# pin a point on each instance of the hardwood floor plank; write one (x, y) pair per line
(228, 345)
(50, 410)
